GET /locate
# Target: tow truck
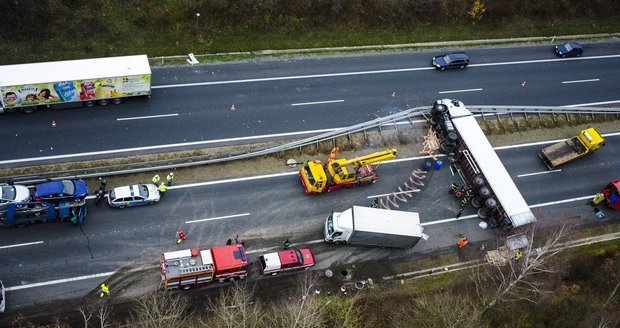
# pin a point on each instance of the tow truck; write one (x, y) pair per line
(287, 260)
(187, 268)
(610, 194)
(24, 214)
(317, 177)
(587, 141)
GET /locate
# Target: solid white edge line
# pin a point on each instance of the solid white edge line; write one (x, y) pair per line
(145, 117)
(20, 245)
(538, 173)
(580, 81)
(60, 281)
(458, 91)
(219, 218)
(318, 102)
(296, 77)
(594, 103)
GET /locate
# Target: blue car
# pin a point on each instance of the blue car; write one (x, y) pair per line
(569, 49)
(61, 191)
(451, 60)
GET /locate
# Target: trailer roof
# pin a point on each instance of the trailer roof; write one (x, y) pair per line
(490, 165)
(386, 221)
(70, 70)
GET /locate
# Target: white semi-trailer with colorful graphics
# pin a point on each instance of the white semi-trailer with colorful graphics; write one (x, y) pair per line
(73, 83)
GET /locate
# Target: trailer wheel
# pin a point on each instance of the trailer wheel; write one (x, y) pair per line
(117, 101)
(21, 225)
(103, 102)
(187, 287)
(29, 110)
(10, 110)
(89, 103)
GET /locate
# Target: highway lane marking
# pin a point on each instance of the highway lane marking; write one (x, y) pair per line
(105, 274)
(594, 103)
(146, 117)
(580, 81)
(20, 245)
(318, 102)
(537, 173)
(192, 143)
(459, 91)
(60, 281)
(400, 70)
(537, 143)
(218, 218)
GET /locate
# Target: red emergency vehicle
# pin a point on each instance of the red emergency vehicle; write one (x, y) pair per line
(612, 196)
(194, 267)
(288, 260)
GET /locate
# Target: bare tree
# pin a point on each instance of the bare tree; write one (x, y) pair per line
(235, 307)
(87, 313)
(103, 313)
(302, 309)
(160, 310)
(445, 309)
(516, 281)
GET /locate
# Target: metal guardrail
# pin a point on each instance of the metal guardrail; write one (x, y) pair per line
(376, 123)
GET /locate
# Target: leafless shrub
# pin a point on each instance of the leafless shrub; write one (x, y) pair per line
(160, 310)
(235, 307)
(301, 310)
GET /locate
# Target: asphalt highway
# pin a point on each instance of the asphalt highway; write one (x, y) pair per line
(265, 211)
(193, 104)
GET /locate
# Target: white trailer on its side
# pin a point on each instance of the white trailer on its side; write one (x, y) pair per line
(73, 83)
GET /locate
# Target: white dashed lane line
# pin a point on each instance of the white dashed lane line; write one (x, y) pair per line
(318, 102)
(580, 81)
(459, 91)
(145, 117)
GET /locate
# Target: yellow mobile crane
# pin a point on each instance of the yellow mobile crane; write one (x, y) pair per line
(317, 177)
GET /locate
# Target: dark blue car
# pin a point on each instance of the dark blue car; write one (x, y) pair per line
(569, 49)
(451, 60)
(61, 191)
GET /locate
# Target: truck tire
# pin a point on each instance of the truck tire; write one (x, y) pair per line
(103, 102)
(89, 103)
(10, 110)
(187, 287)
(117, 101)
(29, 110)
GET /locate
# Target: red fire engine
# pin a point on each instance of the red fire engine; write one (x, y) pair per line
(194, 267)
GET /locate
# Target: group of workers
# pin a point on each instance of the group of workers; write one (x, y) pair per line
(161, 186)
(465, 192)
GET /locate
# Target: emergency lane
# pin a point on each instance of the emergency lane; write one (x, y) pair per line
(264, 107)
(277, 208)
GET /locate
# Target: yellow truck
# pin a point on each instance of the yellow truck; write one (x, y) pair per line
(317, 177)
(585, 142)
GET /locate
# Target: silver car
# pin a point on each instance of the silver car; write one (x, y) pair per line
(133, 195)
(13, 194)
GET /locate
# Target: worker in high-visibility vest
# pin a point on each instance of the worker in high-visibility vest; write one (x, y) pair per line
(155, 179)
(518, 255)
(105, 290)
(169, 178)
(162, 189)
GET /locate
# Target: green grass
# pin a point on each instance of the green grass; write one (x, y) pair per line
(124, 38)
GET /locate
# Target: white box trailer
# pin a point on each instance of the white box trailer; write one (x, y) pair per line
(373, 227)
(73, 83)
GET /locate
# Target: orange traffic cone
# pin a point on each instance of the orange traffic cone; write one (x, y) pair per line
(232, 108)
(53, 124)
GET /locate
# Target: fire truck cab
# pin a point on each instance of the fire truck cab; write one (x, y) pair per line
(288, 260)
(194, 267)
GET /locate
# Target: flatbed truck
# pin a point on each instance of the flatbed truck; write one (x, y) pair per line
(585, 142)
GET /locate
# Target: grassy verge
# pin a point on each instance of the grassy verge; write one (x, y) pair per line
(125, 37)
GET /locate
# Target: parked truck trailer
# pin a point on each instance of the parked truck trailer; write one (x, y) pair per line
(73, 83)
(373, 227)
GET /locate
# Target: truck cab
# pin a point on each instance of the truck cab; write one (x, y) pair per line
(338, 228)
(287, 260)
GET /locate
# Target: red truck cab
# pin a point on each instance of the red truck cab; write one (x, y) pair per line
(287, 260)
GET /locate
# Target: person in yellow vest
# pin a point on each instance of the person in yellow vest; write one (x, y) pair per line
(155, 179)
(518, 255)
(162, 189)
(105, 290)
(169, 178)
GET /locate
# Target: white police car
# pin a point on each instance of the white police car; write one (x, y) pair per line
(133, 195)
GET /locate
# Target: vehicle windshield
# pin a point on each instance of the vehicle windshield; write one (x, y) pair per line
(112, 194)
(68, 188)
(7, 192)
(309, 175)
(300, 258)
(447, 59)
(143, 190)
(330, 224)
(568, 47)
